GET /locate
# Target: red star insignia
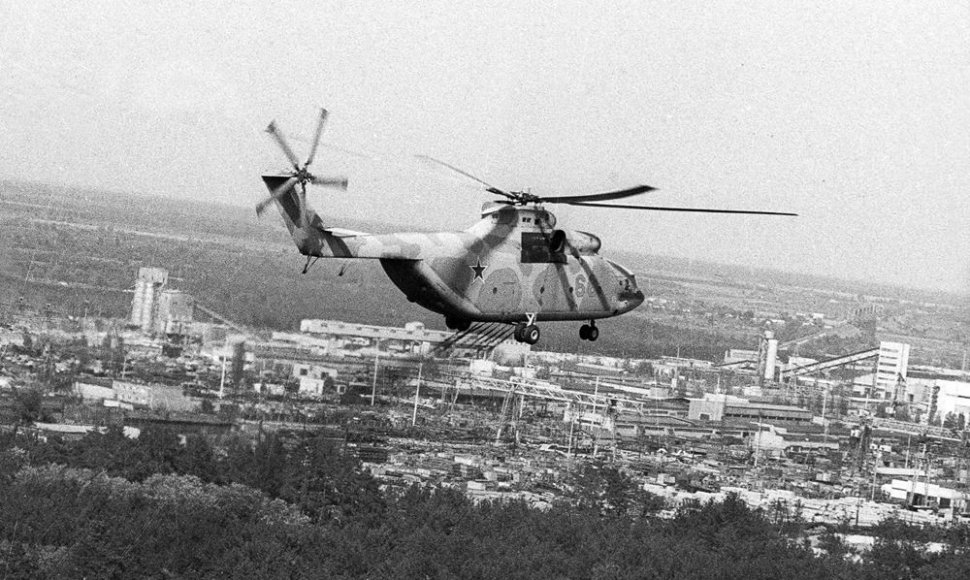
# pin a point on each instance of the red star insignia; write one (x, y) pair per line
(479, 269)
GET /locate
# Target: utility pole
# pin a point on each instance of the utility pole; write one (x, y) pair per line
(596, 392)
(222, 382)
(572, 423)
(875, 464)
(417, 389)
(373, 389)
(825, 421)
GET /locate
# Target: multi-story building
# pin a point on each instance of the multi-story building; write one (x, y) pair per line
(144, 305)
(891, 367)
(174, 313)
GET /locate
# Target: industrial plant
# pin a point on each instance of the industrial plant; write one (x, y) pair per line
(860, 434)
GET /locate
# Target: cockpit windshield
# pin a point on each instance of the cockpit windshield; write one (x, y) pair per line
(627, 282)
(624, 271)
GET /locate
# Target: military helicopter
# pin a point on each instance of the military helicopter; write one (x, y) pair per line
(515, 266)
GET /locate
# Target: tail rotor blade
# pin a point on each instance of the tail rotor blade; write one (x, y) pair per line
(335, 182)
(316, 137)
(277, 193)
(274, 131)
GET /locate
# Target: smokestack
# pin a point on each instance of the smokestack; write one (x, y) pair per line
(771, 355)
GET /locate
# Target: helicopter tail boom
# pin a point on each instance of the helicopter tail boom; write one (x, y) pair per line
(314, 239)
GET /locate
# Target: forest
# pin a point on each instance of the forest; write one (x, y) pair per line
(299, 505)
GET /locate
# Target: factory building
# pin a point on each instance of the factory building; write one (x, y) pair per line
(725, 407)
(939, 398)
(157, 309)
(740, 355)
(926, 494)
(414, 338)
(777, 441)
(175, 312)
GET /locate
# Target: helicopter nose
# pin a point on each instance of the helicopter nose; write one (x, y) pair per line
(634, 298)
(629, 295)
(637, 298)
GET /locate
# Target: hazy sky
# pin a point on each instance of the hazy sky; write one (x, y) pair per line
(856, 115)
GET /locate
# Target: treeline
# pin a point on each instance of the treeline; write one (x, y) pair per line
(263, 287)
(248, 271)
(299, 506)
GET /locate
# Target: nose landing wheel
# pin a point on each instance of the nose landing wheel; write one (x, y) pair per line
(589, 332)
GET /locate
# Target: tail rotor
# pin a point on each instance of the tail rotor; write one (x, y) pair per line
(300, 173)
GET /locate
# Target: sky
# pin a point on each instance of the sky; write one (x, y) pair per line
(854, 115)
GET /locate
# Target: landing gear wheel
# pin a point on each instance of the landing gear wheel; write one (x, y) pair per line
(584, 332)
(458, 324)
(589, 332)
(517, 334)
(530, 334)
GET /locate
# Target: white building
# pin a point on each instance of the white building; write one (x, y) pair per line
(313, 378)
(921, 493)
(93, 392)
(953, 397)
(272, 389)
(891, 366)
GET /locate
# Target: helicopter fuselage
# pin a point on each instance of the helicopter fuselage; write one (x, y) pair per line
(511, 265)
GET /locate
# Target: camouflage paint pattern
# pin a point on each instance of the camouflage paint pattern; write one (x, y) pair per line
(480, 274)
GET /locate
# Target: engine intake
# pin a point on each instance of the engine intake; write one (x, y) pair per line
(574, 242)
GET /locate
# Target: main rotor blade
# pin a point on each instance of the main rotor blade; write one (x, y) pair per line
(619, 194)
(488, 187)
(338, 182)
(276, 194)
(274, 131)
(681, 209)
(316, 137)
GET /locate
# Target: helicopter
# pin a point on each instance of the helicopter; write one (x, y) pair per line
(514, 266)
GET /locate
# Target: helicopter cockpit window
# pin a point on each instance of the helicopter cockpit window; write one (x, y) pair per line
(541, 248)
(546, 219)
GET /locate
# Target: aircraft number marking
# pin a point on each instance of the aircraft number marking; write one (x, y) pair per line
(580, 286)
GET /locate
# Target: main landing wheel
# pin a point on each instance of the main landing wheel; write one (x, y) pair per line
(589, 332)
(458, 324)
(527, 333)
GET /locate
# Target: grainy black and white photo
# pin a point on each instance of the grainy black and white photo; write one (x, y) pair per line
(635, 289)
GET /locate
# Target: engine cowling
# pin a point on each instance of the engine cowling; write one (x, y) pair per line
(576, 243)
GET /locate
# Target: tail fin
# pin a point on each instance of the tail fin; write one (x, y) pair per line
(289, 203)
(302, 222)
